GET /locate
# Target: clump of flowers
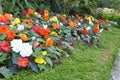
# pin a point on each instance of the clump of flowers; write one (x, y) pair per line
(37, 38)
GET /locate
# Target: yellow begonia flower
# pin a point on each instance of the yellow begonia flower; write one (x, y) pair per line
(16, 20)
(92, 18)
(44, 53)
(11, 26)
(55, 19)
(35, 13)
(64, 15)
(53, 33)
(40, 60)
(51, 19)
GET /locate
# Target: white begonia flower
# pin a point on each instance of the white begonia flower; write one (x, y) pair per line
(37, 21)
(79, 24)
(39, 16)
(33, 38)
(1, 23)
(45, 26)
(61, 23)
(20, 27)
(88, 28)
(101, 30)
(16, 44)
(26, 50)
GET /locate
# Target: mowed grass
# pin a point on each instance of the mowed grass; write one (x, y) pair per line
(84, 64)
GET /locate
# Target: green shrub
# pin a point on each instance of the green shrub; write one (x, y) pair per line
(65, 6)
(108, 3)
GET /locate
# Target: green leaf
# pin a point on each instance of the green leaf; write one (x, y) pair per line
(49, 61)
(40, 39)
(53, 55)
(3, 57)
(13, 68)
(68, 45)
(15, 58)
(52, 50)
(37, 52)
(33, 66)
(2, 36)
(5, 72)
(41, 67)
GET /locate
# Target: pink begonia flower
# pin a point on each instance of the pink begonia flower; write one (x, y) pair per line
(3, 21)
(36, 44)
(13, 23)
(20, 27)
(4, 47)
(80, 29)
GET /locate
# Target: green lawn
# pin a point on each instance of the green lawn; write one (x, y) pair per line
(84, 64)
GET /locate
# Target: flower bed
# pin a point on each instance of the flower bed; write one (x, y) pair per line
(37, 40)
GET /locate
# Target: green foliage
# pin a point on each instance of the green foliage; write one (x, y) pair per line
(112, 16)
(33, 66)
(49, 61)
(65, 6)
(73, 6)
(3, 56)
(5, 72)
(16, 6)
(2, 36)
(108, 3)
(14, 58)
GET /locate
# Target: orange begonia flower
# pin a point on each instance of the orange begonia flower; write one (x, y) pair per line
(30, 11)
(49, 42)
(3, 29)
(96, 29)
(28, 21)
(10, 35)
(41, 31)
(46, 12)
(2, 17)
(23, 37)
(86, 17)
(63, 19)
(46, 35)
(106, 20)
(77, 16)
(44, 32)
(72, 24)
(7, 16)
(47, 30)
(85, 32)
(55, 25)
(46, 17)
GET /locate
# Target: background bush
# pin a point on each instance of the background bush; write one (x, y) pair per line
(109, 3)
(59, 6)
